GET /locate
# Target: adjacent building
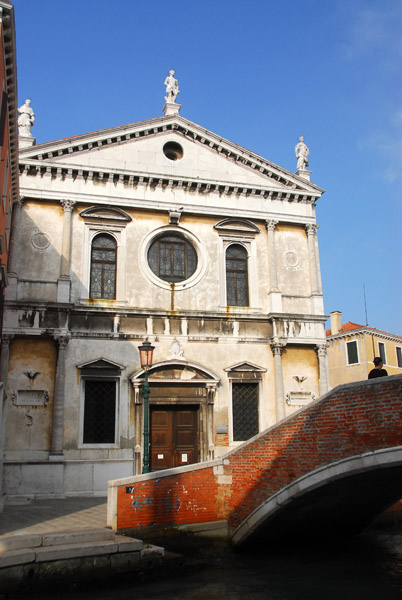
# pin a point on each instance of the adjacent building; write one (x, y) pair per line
(9, 175)
(162, 231)
(352, 348)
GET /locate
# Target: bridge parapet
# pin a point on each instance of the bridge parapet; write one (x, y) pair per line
(349, 421)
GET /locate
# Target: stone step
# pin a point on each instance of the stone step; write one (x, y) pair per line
(79, 536)
(39, 548)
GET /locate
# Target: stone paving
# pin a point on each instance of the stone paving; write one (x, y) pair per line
(50, 516)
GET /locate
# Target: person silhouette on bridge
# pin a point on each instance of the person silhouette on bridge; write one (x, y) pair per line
(378, 371)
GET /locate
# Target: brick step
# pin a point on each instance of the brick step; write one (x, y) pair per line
(39, 548)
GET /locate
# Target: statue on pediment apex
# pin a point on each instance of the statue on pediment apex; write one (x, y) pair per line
(172, 87)
(26, 119)
(302, 153)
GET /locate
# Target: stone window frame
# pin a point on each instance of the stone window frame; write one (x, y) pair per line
(90, 373)
(249, 243)
(192, 239)
(118, 232)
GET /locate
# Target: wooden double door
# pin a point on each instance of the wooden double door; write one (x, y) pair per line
(174, 436)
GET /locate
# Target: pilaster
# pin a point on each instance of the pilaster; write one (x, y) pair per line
(274, 294)
(64, 281)
(11, 289)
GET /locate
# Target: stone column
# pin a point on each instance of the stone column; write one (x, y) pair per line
(58, 400)
(11, 289)
(274, 293)
(64, 283)
(321, 350)
(277, 349)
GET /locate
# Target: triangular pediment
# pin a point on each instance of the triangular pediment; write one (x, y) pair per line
(100, 365)
(245, 366)
(139, 150)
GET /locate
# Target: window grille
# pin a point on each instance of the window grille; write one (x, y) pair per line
(245, 410)
(99, 412)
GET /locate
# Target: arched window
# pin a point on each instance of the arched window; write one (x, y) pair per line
(172, 258)
(103, 267)
(236, 276)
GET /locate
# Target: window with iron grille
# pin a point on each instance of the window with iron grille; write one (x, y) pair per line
(172, 258)
(103, 267)
(245, 410)
(236, 276)
(99, 412)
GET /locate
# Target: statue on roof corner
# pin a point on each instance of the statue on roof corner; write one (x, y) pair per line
(26, 119)
(302, 153)
(172, 87)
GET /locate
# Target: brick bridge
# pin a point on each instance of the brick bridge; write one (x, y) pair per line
(330, 468)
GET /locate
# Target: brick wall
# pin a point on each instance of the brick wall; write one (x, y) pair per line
(348, 421)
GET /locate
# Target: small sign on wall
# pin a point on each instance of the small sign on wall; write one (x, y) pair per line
(30, 397)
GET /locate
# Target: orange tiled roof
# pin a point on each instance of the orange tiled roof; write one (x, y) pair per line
(349, 326)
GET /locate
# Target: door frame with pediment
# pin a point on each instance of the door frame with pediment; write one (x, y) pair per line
(173, 383)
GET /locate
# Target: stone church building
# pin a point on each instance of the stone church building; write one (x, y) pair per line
(162, 231)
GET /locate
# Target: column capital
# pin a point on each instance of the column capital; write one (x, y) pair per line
(62, 339)
(68, 205)
(321, 349)
(311, 229)
(277, 347)
(6, 338)
(270, 224)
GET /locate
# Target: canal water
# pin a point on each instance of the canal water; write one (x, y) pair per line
(364, 568)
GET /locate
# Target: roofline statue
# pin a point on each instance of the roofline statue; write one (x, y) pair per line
(172, 88)
(26, 119)
(302, 153)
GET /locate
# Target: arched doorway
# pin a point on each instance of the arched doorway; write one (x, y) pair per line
(182, 396)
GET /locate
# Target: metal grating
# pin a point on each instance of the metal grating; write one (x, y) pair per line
(99, 412)
(245, 410)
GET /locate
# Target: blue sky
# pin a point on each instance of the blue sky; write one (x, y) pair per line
(259, 73)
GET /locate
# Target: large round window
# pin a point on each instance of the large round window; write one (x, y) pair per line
(172, 258)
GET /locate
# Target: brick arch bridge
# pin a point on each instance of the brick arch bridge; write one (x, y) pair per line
(330, 468)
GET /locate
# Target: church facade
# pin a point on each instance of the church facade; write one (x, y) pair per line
(162, 231)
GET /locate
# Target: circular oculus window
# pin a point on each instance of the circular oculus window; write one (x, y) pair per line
(172, 258)
(173, 151)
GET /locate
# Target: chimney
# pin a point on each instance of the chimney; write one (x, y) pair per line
(336, 321)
